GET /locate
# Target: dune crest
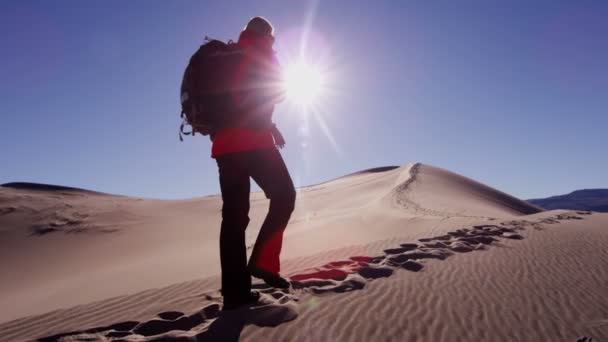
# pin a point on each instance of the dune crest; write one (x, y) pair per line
(49, 188)
(435, 191)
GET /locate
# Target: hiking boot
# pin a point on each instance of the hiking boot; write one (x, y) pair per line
(271, 279)
(234, 302)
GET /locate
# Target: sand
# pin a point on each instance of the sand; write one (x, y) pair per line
(410, 253)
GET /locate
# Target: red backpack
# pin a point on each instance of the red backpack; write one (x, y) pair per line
(209, 87)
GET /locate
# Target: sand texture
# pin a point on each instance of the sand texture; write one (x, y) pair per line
(410, 253)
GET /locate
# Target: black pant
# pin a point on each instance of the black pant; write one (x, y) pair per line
(268, 170)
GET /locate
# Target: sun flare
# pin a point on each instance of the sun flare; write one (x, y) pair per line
(303, 83)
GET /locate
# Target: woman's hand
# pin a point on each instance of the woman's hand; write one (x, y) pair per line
(279, 141)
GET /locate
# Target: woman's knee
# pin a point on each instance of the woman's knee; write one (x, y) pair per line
(235, 215)
(291, 199)
(284, 202)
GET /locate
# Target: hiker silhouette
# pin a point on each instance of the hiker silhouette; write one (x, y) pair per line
(247, 149)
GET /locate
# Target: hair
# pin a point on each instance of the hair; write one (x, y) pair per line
(260, 25)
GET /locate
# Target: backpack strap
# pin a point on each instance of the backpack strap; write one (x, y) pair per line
(181, 127)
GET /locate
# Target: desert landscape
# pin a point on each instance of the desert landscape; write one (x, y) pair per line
(400, 253)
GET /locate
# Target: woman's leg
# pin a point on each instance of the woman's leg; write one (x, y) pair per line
(269, 171)
(235, 187)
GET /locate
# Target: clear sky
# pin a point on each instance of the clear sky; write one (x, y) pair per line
(511, 93)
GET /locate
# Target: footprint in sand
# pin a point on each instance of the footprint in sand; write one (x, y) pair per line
(7, 210)
(167, 321)
(369, 272)
(404, 248)
(170, 315)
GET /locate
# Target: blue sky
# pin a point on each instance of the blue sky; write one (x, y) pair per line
(511, 93)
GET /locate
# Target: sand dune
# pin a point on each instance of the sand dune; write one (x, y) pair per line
(439, 192)
(396, 253)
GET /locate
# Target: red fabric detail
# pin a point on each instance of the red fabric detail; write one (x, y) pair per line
(268, 257)
(238, 139)
(241, 138)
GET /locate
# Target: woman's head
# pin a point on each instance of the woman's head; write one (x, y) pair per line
(258, 33)
(260, 26)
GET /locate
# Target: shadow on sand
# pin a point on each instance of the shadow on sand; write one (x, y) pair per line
(168, 326)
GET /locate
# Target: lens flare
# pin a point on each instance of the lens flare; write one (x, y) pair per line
(303, 83)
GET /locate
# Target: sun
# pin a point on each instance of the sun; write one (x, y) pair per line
(303, 83)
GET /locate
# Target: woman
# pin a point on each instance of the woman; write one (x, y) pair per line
(248, 148)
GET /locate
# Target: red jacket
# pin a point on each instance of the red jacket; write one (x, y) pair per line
(260, 75)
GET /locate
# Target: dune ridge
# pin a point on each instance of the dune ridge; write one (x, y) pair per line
(49, 188)
(439, 192)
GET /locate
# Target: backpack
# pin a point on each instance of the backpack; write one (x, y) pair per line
(209, 87)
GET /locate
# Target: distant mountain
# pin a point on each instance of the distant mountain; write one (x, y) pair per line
(588, 199)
